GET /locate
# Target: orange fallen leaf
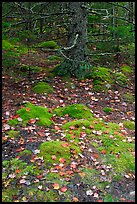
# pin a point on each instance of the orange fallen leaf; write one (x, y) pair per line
(28, 109)
(103, 151)
(75, 199)
(39, 176)
(61, 173)
(95, 155)
(41, 134)
(17, 171)
(55, 185)
(63, 189)
(65, 144)
(32, 121)
(72, 127)
(62, 160)
(20, 149)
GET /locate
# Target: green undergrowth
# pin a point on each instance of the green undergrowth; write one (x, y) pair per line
(107, 110)
(49, 44)
(126, 69)
(74, 111)
(104, 79)
(48, 149)
(129, 97)
(54, 58)
(42, 87)
(31, 111)
(129, 124)
(111, 139)
(12, 134)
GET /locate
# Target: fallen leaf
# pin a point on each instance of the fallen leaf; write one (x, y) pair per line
(62, 160)
(63, 189)
(75, 199)
(103, 151)
(89, 192)
(65, 144)
(32, 121)
(41, 134)
(20, 149)
(53, 157)
(55, 186)
(22, 181)
(17, 171)
(72, 127)
(12, 175)
(61, 173)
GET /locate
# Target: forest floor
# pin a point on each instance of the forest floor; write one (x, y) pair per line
(76, 186)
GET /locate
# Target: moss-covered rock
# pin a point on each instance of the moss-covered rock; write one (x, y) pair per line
(129, 97)
(59, 149)
(107, 110)
(30, 111)
(126, 69)
(12, 133)
(74, 111)
(121, 78)
(102, 78)
(129, 124)
(49, 44)
(42, 87)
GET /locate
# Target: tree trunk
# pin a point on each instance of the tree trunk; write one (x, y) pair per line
(75, 61)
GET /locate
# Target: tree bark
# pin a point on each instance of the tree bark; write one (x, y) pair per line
(75, 61)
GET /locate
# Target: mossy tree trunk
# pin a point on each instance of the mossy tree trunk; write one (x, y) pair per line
(75, 60)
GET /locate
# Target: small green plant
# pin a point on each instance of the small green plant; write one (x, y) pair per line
(121, 78)
(74, 111)
(12, 133)
(42, 87)
(129, 124)
(107, 110)
(57, 148)
(49, 44)
(54, 58)
(31, 111)
(126, 69)
(129, 97)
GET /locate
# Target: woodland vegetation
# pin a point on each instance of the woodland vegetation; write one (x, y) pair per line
(68, 102)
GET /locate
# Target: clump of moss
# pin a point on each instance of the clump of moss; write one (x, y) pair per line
(12, 133)
(54, 58)
(49, 44)
(6, 45)
(47, 149)
(129, 124)
(101, 78)
(74, 111)
(31, 111)
(128, 97)
(120, 78)
(25, 152)
(42, 87)
(107, 110)
(126, 69)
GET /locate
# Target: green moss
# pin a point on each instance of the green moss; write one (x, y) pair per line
(129, 124)
(102, 78)
(32, 111)
(107, 110)
(12, 133)
(126, 69)
(74, 111)
(6, 45)
(121, 78)
(7, 194)
(129, 97)
(25, 68)
(54, 58)
(47, 149)
(49, 44)
(25, 152)
(42, 87)
(52, 196)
